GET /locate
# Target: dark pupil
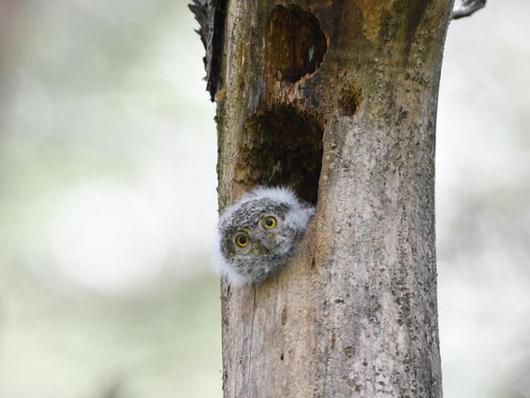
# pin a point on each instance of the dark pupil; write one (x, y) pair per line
(269, 222)
(242, 239)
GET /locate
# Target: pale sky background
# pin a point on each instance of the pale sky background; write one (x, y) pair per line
(108, 203)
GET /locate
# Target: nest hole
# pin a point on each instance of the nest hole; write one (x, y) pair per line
(294, 43)
(282, 147)
(349, 100)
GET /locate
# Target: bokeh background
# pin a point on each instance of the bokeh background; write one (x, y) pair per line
(108, 203)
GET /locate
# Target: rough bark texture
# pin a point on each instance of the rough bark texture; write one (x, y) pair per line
(210, 14)
(337, 99)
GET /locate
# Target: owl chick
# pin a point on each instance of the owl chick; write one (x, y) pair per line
(258, 234)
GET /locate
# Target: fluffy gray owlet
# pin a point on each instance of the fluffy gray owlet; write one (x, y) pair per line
(258, 234)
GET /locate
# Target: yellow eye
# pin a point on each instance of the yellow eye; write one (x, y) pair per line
(242, 239)
(269, 222)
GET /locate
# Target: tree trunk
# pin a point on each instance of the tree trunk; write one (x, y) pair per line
(336, 99)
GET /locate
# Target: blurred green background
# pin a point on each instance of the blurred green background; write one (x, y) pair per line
(108, 203)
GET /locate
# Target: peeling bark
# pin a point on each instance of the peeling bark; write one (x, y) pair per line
(210, 14)
(353, 86)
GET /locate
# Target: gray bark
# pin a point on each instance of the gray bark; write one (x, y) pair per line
(352, 85)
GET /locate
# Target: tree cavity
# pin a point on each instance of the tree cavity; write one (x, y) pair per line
(282, 147)
(294, 43)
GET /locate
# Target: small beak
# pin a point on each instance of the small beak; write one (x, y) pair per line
(265, 241)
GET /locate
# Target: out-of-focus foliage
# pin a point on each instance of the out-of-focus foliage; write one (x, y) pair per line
(483, 211)
(108, 205)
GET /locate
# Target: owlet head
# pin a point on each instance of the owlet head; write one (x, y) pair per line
(258, 234)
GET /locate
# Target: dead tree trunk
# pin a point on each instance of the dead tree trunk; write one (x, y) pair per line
(336, 99)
